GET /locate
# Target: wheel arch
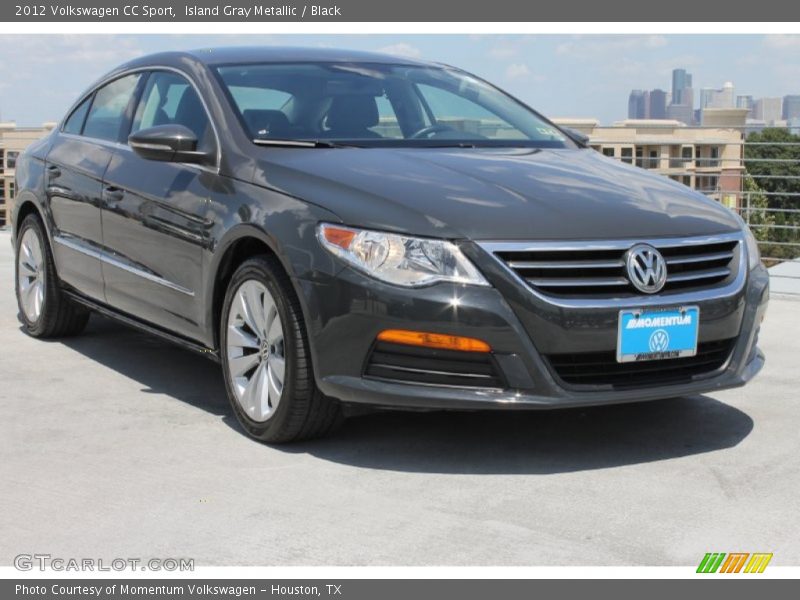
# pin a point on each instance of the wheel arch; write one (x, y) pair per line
(240, 243)
(25, 205)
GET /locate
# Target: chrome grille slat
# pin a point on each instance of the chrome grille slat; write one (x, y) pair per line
(596, 269)
(609, 282)
(681, 260)
(694, 275)
(567, 264)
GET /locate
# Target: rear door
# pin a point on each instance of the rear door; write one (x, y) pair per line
(154, 214)
(76, 164)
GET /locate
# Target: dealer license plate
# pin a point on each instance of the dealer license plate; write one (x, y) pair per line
(657, 334)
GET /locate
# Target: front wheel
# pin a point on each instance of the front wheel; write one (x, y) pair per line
(44, 309)
(265, 358)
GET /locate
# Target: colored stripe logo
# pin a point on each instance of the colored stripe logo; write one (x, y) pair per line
(734, 562)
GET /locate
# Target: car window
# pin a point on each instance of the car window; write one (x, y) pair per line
(262, 109)
(388, 124)
(462, 114)
(74, 123)
(107, 114)
(371, 104)
(169, 99)
(248, 98)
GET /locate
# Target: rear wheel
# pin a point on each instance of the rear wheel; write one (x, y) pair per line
(265, 358)
(44, 309)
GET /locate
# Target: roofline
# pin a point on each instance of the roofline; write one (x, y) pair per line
(214, 56)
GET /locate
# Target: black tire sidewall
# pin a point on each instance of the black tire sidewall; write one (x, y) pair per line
(259, 269)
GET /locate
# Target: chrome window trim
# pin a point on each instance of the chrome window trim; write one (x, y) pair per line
(730, 289)
(118, 145)
(74, 244)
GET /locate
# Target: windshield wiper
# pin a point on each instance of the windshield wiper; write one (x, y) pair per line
(451, 145)
(301, 143)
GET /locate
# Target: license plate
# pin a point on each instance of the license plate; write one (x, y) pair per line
(657, 334)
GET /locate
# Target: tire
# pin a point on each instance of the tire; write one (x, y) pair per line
(45, 311)
(262, 334)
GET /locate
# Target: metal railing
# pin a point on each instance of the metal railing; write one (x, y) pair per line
(767, 195)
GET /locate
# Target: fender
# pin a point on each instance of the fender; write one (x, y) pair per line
(25, 198)
(214, 263)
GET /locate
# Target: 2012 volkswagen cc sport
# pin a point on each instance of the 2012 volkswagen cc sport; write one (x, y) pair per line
(341, 227)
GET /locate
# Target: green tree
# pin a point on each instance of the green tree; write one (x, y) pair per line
(755, 207)
(772, 183)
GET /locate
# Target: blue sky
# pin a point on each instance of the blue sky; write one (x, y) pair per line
(560, 75)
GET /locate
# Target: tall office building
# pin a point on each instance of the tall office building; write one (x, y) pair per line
(637, 104)
(681, 106)
(791, 107)
(721, 98)
(768, 110)
(647, 104)
(657, 104)
(681, 112)
(681, 80)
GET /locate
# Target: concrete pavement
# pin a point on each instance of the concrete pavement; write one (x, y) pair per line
(115, 444)
(785, 277)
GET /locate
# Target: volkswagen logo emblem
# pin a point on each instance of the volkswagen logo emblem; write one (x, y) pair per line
(659, 341)
(647, 270)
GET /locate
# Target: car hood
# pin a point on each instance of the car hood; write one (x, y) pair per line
(485, 194)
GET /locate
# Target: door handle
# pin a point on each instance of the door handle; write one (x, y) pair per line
(113, 194)
(53, 171)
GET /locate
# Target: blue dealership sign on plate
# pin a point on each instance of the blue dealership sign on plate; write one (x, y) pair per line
(657, 334)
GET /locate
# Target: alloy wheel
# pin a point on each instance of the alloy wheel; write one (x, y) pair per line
(30, 275)
(256, 354)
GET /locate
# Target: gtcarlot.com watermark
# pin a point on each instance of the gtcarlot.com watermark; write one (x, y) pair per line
(47, 562)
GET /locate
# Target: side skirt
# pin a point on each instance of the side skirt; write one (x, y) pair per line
(142, 326)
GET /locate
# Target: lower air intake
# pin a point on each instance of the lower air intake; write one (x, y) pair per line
(426, 366)
(602, 368)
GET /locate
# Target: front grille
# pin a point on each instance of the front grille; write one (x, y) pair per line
(596, 270)
(427, 366)
(602, 368)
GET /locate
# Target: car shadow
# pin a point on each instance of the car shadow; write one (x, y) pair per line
(497, 442)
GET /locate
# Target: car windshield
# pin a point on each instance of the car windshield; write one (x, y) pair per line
(368, 104)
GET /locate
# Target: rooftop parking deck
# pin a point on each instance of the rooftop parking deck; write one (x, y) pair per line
(117, 444)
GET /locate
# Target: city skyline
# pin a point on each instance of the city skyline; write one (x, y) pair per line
(576, 76)
(683, 104)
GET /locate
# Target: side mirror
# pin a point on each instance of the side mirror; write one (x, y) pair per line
(167, 143)
(581, 138)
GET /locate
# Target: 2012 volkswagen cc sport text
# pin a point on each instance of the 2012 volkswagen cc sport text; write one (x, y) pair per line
(341, 228)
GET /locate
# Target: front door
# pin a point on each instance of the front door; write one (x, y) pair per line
(154, 215)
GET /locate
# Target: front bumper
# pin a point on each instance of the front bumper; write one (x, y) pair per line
(345, 312)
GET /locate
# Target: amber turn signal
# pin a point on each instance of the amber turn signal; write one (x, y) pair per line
(338, 236)
(433, 340)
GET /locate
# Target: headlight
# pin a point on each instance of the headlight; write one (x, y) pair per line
(399, 259)
(753, 254)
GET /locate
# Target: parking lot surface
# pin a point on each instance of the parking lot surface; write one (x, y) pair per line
(115, 444)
